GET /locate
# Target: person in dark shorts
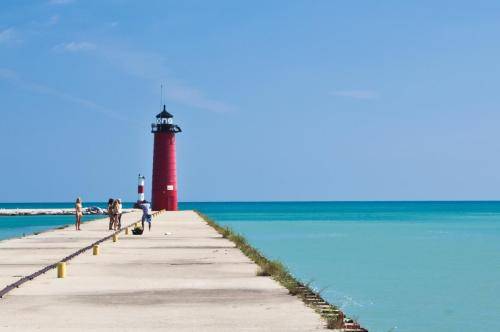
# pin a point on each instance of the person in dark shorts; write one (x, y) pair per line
(110, 213)
(146, 213)
(115, 214)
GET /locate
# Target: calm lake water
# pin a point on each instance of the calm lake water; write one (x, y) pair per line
(396, 266)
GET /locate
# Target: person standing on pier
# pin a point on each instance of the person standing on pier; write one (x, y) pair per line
(79, 213)
(114, 211)
(146, 213)
(110, 213)
(119, 213)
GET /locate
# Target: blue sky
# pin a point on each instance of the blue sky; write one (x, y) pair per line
(278, 100)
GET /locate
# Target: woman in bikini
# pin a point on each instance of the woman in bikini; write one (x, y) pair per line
(79, 213)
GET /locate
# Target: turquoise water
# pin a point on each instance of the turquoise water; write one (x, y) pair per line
(56, 205)
(397, 266)
(24, 225)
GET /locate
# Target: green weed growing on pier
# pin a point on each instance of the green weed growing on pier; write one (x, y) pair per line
(272, 268)
(334, 323)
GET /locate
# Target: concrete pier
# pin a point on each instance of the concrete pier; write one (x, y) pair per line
(181, 276)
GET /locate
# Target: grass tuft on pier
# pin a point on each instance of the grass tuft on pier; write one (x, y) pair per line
(272, 268)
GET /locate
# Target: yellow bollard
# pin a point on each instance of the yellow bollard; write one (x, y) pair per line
(95, 250)
(61, 270)
(126, 231)
(115, 237)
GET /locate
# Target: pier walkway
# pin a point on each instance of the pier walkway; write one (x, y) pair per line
(181, 276)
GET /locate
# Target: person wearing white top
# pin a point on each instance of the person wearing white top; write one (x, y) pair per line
(119, 212)
(146, 213)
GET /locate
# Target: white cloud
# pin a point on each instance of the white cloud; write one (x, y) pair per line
(7, 35)
(356, 94)
(13, 78)
(54, 19)
(60, 2)
(8, 74)
(153, 67)
(195, 98)
(145, 65)
(75, 47)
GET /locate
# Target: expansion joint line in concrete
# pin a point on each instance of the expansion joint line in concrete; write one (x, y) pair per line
(32, 276)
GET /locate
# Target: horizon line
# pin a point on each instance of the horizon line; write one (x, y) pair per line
(286, 201)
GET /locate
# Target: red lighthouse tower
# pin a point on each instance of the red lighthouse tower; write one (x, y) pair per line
(164, 188)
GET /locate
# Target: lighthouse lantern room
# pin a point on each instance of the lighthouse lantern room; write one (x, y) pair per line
(164, 186)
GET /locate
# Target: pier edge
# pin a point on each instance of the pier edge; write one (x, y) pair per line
(335, 318)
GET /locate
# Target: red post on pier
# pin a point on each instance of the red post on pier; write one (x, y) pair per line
(140, 189)
(164, 188)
